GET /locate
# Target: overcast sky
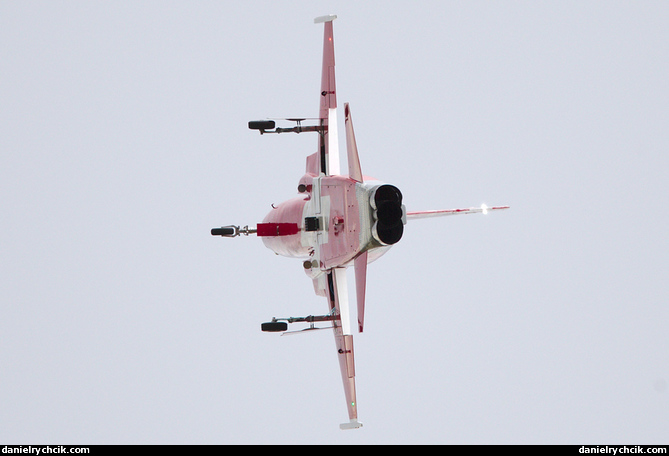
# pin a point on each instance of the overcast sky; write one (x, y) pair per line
(124, 140)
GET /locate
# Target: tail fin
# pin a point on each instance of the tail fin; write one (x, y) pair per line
(443, 212)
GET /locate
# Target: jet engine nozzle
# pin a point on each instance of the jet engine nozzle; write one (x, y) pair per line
(386, 202)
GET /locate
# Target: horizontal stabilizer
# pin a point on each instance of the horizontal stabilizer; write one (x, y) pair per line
(360, 267)
(443, 212)
(354, 171)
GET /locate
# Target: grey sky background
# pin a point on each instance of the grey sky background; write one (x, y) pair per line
(123, 141)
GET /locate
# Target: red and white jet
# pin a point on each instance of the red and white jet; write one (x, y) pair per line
(335, 222)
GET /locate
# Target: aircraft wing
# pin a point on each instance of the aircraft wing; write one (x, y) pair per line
(337, 295)
(328, 143)
(335, 289)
